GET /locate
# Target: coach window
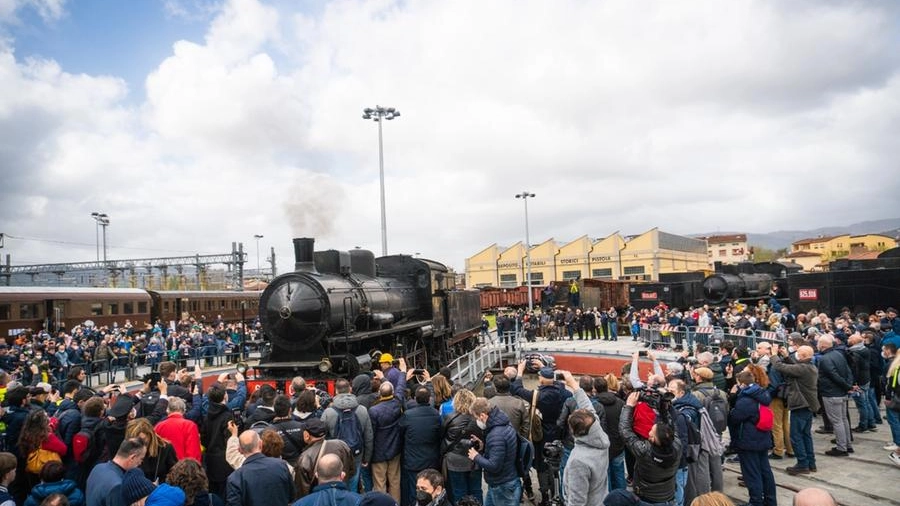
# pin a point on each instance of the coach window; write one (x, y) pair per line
(142, 307)
(96, 309)
(28, 311)
(5, 312)
(113, 308)
(128, 308)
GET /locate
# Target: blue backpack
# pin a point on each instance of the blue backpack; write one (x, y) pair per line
(348, 429)
(524, 456)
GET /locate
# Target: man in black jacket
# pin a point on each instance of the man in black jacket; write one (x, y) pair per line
(612, 412)
(860, 365)
(551, 395)
(420, 426)
(835, 382)
(214, 438)
(656, 462)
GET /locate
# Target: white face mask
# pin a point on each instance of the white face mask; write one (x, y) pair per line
(481, 425)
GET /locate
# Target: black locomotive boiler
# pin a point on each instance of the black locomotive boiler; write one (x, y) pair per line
(332, 316)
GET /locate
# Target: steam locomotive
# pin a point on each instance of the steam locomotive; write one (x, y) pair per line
(338, 311)
(859, 285)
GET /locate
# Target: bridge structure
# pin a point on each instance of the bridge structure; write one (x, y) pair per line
(234, 261)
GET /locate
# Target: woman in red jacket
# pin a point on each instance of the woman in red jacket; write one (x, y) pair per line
(38, 434)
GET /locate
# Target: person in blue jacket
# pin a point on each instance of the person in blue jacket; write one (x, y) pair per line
(752, 444)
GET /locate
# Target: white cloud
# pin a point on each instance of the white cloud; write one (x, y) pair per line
(618, 115)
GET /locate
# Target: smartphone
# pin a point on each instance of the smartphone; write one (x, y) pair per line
(418, 371)
(155, 377)
(560, 377)
(642, 353)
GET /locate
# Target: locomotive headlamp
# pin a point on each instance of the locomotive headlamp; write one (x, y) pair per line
(325, 365)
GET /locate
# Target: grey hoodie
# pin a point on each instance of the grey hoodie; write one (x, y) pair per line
(331, 415)
(585, 477)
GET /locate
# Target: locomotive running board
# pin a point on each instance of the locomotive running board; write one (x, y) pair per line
(359, 336)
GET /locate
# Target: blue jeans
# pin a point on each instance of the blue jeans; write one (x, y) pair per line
(504, 494)
(876, 411)
(562, 467)
(353, 484)
(465, 483)
(893, 419)
(613, 331)
(366, 477)
(680, 482)
(866, 413)
(801, 438)
(616, 473)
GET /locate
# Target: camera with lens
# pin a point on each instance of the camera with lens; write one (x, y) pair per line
(465, 444)
(654, 397)
(533, 362)
(691, 361)
(553, 453)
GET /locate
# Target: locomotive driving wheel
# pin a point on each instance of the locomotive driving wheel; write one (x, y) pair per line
(417, 357)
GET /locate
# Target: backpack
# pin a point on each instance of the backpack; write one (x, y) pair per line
(348, 429)
(694, 438)
(38, 458)
(709, 438)
(87, 447)
(537, 427)
(524, 456)
(716, 406)
(260, 426)
(766, 418)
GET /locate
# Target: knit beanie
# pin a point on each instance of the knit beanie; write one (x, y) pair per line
(135, 486)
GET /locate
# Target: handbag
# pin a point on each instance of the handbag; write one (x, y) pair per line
(537, 431)
(38, 458)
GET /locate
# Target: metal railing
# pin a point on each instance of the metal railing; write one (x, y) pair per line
(470, 367)
(664, 336)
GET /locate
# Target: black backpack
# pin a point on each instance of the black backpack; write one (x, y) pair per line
(717, 406)
(348, 429)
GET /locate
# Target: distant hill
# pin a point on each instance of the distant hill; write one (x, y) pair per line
(784, 238)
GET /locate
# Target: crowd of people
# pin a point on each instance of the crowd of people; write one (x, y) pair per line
(399, 436)
(94, 349)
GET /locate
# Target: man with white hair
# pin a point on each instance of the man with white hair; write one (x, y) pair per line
(835, 382)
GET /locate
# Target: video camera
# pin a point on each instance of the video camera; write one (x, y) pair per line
(546, 360)
(655, 397)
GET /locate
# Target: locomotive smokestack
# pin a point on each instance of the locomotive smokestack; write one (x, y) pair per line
(303, 254)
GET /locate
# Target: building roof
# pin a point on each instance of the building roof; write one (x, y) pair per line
(798, 254)
(726, 238)
(863, 255)
(812, 240)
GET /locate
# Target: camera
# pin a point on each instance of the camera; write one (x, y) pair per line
(560, 376)
(655, 397)
(418, 372)
(553, 453)
(154, 378)
(465, 444)
(642, 353)
(533, 368)
(691, 361)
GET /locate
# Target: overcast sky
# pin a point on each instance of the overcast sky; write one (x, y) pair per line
(195, 123)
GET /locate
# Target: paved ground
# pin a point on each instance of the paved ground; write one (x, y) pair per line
(867, 477)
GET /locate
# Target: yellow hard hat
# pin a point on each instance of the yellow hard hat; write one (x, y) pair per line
(385, 357)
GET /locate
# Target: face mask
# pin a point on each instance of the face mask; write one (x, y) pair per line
(481, 425)
(423, 497)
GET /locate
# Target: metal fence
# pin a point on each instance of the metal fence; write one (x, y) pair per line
(664, 336)
(136, 366)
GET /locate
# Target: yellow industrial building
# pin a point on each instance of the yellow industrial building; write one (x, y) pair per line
(643, 257)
